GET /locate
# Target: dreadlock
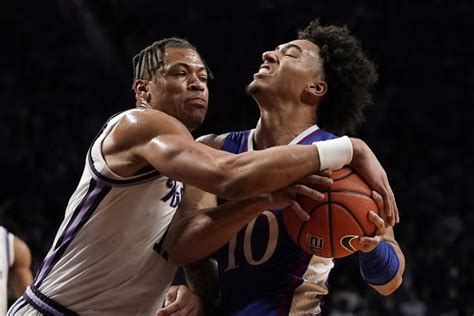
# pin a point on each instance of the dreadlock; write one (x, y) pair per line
(151, 57)
(349, 74)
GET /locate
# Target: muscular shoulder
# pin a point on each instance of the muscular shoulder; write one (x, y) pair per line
(213, 140)
(142, 125)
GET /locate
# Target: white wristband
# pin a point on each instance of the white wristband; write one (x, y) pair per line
(334, 153)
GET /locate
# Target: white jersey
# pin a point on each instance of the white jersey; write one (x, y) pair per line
(103, 260)
(6, 261)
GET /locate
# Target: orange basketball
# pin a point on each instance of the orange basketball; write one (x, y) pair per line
(337, 221)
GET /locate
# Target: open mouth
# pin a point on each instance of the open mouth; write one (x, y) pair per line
(264, 70)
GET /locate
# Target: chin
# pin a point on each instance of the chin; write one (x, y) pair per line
(194, 123)
(252, 88)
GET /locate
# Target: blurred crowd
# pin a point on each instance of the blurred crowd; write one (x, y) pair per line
(66, 68)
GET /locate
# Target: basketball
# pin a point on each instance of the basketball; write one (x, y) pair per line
(336, 222)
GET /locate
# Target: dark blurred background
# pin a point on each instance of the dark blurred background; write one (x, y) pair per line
(66, 67)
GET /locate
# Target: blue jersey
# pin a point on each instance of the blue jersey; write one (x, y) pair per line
(261, 270)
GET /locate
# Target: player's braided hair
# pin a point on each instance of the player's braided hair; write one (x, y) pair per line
(349, 74)
(151, 58)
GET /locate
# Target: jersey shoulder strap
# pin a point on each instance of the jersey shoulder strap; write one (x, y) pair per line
(236, 142)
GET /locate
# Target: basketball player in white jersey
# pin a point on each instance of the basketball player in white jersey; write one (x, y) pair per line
(15, 273)
(106, 258)
(261, 270)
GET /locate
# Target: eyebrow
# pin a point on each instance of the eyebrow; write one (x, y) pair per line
(187, 66)
(288, 46)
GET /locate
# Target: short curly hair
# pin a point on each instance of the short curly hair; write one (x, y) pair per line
(349, 74)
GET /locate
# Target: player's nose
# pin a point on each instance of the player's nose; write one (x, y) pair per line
(270, 56)
(196, 84)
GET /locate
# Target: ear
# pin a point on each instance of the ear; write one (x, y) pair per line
(315, 91)
(319, 88)
(140, 87)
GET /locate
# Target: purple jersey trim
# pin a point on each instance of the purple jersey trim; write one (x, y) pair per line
(316, 136)
(119, 183)
(45, 305)
(19, 304)
(96, 193)
(113, 182)
(308, 138)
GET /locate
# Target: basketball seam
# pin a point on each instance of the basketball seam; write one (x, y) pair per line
(346, 176)
(300, 230)
(353, 192)
(353, 216)
(329, 203)
(303, 224)
(330, 223)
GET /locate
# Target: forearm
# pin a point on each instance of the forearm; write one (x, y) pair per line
(235, 177)
(260, 172)
(274, 168)
(240, 176)
(390, 287)
(193, 235)
(383, 271)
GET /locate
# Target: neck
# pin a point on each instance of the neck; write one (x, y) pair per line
(279, 125)
(142, 104)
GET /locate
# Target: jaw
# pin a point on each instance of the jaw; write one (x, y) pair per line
(258, 86)
(192, 120)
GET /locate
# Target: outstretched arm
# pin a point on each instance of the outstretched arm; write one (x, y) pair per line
(148, 137)
(20, 274)
(145, 138)
(363, 160)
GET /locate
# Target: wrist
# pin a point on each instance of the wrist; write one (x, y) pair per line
(262, 202)
(380, 265)
(334, 153)
(358, 148)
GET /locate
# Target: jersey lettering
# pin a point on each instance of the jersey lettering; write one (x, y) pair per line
(174, 194)
(248, 254)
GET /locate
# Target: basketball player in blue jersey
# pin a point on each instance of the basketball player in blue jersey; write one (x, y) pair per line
(107, 257)
(308, 90)
(15, 273)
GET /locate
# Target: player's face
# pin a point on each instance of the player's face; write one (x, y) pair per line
(180, 87)
(288, 70)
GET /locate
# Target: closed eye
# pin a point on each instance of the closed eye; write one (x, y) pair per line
(290, 50)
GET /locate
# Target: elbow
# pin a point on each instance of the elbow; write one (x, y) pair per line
(391, 287)
(188, 244)
(179, 258)
(173, 250)
(396, 284)
(180, 253)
